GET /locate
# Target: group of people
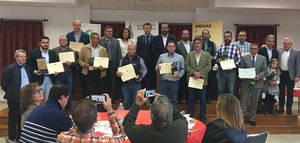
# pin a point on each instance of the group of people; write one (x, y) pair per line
(276, 70)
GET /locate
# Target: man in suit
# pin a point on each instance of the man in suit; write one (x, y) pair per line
(143, 46)
(198, 65)
(43, 78)
(113, 49)
(290, 73)
(159, 44)
(77, 35)
(15, 76)
(184, 47)
(94, 77)
(269, 50)
(254, 86)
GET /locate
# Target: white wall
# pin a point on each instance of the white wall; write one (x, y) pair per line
(60, 18)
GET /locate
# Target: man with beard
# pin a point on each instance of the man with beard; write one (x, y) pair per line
(242, 43)
(227, 51)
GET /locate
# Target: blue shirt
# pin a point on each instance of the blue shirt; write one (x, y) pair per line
(244, 47)
(166, 58)
(45, 55)
(24, 77)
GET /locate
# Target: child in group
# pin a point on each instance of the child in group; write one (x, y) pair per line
(272, 85)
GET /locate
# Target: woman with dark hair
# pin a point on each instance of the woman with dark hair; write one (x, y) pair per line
(125, 40)
(31, 96)
(229, 126)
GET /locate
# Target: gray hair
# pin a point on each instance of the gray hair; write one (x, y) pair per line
(269, 36)
(17, 52)
(161, 112)
(288, 39)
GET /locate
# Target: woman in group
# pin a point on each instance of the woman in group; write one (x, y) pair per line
(229, 126)
(31, 96)
(125, 39)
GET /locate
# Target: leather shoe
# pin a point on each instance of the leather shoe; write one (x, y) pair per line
(252, 123)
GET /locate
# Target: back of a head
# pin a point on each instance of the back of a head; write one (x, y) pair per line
(26, 96)
(57, 91)
(229, 110)
(161, 112)
(84, 115)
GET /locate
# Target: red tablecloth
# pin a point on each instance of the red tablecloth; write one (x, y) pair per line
(144, 118)
(296, 92)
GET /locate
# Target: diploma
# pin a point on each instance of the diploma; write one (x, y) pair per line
(247, 73)
(41, 64)
(165, 68)
(56, 67)
(101, 61)
(76, 46)
(227, 64)
(66, 57)
(127, 72)
(196, 83)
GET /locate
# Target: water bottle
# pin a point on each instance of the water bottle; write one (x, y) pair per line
(121, 112)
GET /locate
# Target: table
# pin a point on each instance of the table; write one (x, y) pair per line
(144, 118)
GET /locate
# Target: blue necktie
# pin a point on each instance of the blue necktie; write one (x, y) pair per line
(253, 61)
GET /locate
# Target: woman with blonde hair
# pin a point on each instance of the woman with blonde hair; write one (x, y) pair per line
(31, 96)
(229, 126)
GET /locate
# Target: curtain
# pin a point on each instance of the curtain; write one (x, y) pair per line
(17, 35)
(257, 33)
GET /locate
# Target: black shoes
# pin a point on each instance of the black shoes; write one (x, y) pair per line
(280, 111)
(289, 111)
(252, 123)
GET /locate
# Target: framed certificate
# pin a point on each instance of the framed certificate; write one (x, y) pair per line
(101, 61)
(66, 57)
(165, 68)
(76, 46)
(41, 64)
(56, 67)
(196, 83)
(127, 71)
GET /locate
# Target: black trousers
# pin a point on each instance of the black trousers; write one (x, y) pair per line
(149, 81)
(286, 82)
(114, 84)
(14, 120)
(94, 84)
(183, 88)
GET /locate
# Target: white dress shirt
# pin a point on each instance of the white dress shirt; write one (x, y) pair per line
(187, 46)
(284, 60)
(269, 50)
(95, 51)
(165, 40)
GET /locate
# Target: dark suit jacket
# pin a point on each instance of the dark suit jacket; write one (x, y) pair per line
(263, 51)
(158, 47)
(293, 63)
(144, 51)
(181, 49)
(84, 37)
(114, 53)
(11, 81)
(31, 61)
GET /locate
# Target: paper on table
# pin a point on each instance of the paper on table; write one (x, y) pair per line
(248, 73)
(76, 46)
(101, 61)
(66, 57)
(127, 72)
(55, 67)
(227, 64)
(196, 83)
(165, 68)
(297, 84)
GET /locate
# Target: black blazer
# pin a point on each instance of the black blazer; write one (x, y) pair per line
(84, 37)
(263, 51)
(144, 51)
(158, 47)
(31, 62)
(11, 81)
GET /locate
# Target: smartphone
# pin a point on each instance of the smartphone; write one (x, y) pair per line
(150, 93)
(98, 98)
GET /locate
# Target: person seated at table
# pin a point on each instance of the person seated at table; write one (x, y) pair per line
(229, 126)
(168, 125)
(84, 115)
(31, 96)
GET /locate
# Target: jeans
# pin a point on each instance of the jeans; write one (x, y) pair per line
(129, 90)
(46, 86)
(67, 79)
(286, 82)
(170, 89)
(226, 78)
(192, 98)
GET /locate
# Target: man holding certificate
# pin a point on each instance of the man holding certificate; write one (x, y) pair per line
(130, 87)
(94, 78)
(169, 78)
(198, 65)
(252, 86)
(227, 57)
(37, 61)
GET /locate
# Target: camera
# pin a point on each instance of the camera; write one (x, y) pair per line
(150, 94)
(174, 67)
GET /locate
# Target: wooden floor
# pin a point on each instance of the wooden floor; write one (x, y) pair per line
(281, 124)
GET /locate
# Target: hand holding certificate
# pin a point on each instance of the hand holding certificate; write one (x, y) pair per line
(76, 46)
(196, 83)
(227, 64)
(165, 68)
(56, 67)
(127, 72)
(101, 61)
(247, 73)
(66, 57)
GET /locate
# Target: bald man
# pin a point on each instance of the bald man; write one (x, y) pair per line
(77, 35)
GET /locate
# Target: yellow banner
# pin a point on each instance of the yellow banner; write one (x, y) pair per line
(215, 28)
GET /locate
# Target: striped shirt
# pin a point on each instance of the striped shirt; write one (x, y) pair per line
(72, 136)
(244, 47)
(230, 52)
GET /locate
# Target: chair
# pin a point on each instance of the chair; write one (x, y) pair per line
(257, 138)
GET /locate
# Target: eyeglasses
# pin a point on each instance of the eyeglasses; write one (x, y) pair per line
(39, 90)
